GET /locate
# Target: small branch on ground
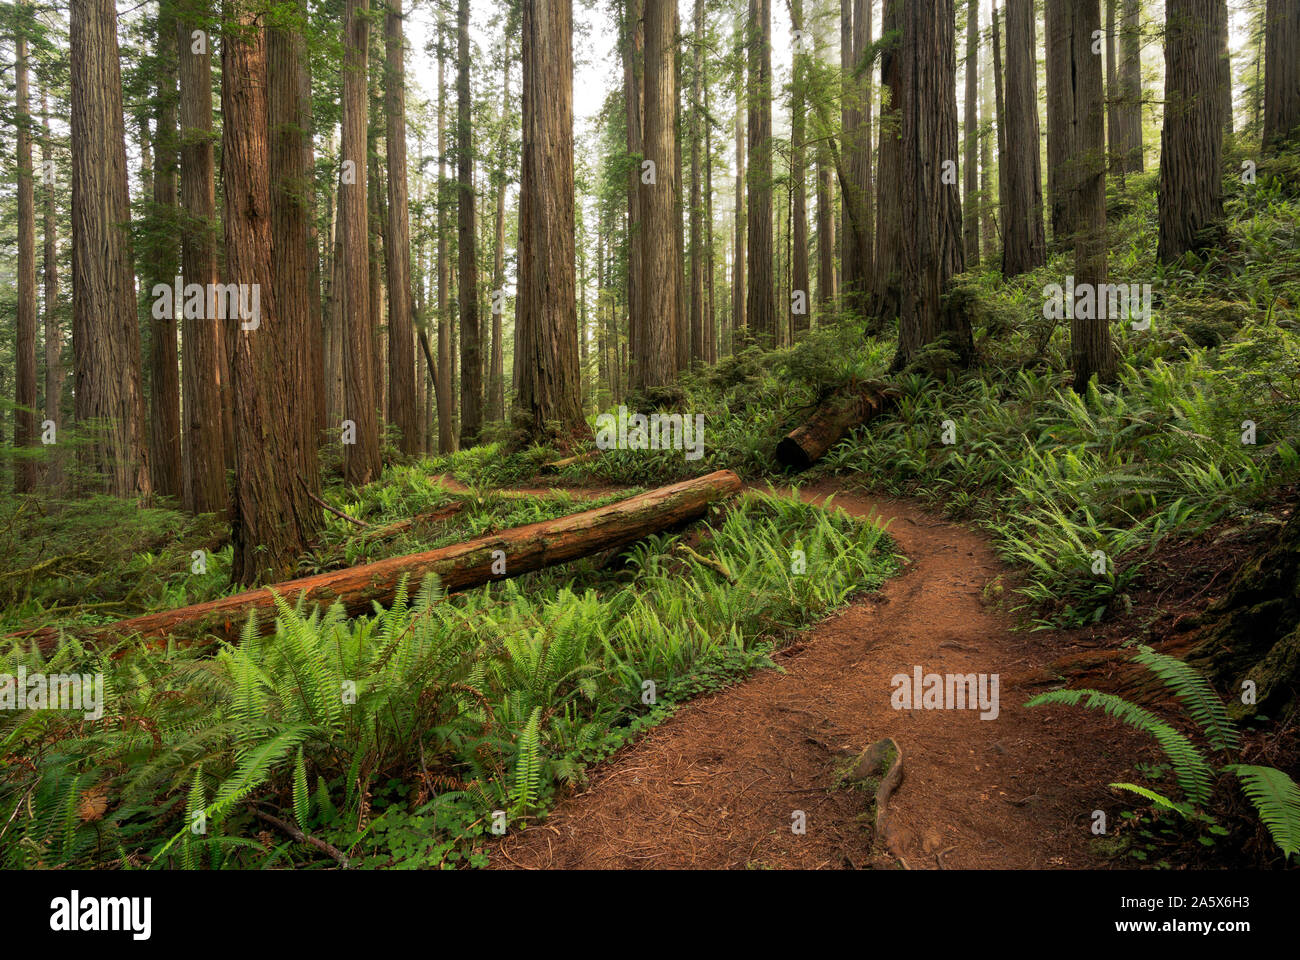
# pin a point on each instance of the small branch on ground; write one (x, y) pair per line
(301, 837)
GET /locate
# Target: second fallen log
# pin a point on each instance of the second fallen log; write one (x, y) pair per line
(805, 445)
(507, 553)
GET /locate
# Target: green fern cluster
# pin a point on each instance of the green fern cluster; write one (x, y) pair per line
(347, 704)
(429, 715)
(1275, 795)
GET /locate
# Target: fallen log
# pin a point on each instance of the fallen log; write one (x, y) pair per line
(805, 445)
(419, 520)
(458, 567)
(556, 465)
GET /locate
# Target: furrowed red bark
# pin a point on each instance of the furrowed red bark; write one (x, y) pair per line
(1281, 71)
(206, 435)
(1024, 246)
(105, 329)
(760, 308)
(402, 408)
(471, 369)
(656, 360)
(161, 262)
(549, 387)
(1190, 195)
(361, 462)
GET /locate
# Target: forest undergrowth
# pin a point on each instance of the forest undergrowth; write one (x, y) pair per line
(468, 712)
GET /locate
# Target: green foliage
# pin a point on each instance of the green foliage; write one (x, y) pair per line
(1191, 769)
(1198, 697)
(68, 561)
(1277, 798)
(1275, 795)
(395, 736)
(1055, 476)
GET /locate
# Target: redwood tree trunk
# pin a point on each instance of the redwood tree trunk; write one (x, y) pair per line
(1225, 67)
(375, 213)
(1128, 112)
(267, 529)
(855, 38)
(25, 433)
(710, 266)
(739, 257)
(403, 410)
(800, 304)
(887, 285)
(633, 43)
(1112, 86)
(988, 221)
(458, 567)
(360, 459)
(1000, 107)
(761, 304)
(105, 332)
(831, 423)
(661, 269)
(314, 348)
(446, 374)
(1023, 244)
(682, 338)
(50, 271)
(161, 267)
(1281, 71)
(1191, 143)
(970, 180)
(931, 210)
(827, 288)
(1091, 353)
(471, 370)
(698, 341)
(205, 439)
(550, 385)
(496, 391)
(291, 173)
(1061, 172)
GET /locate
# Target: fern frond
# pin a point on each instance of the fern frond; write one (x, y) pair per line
(1277, 798)
(1198, 697)
(1193, 772)
(301, 798)
(193, 804)
(528, 766)
(1159, 799)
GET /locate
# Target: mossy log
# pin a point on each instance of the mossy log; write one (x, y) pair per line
(458, 567)
(556, 465)
(805, 445)
(1252, 633)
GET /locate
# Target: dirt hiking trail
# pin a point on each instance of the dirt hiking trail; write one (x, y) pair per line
(716, 786)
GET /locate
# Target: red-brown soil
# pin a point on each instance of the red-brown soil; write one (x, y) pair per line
(716, 786)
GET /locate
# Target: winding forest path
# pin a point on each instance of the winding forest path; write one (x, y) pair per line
(716, 786)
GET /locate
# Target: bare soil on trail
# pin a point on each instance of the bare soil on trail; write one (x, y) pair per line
(718, 784)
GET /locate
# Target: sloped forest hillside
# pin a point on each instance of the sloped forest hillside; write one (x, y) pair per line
(630, 433)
